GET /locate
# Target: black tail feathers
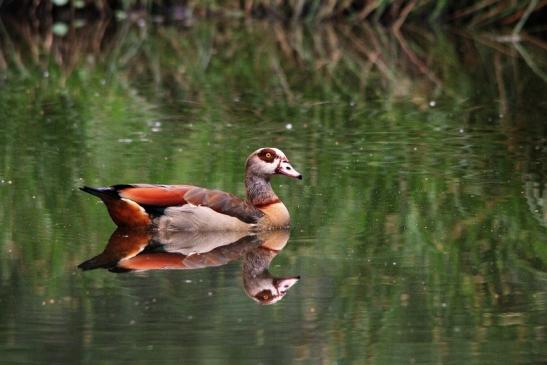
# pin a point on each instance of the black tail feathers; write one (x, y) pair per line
(102, 262)
(102, 193)
(97, 262)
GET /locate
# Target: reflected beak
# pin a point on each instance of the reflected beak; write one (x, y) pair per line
(286, 169)
(285, 284)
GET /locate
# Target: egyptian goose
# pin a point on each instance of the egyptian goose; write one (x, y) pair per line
(260, 285)
(143, 250)
(191, 208)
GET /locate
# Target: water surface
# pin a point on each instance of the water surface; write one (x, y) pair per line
(419, 229)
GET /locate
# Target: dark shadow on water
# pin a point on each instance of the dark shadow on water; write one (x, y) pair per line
(142, 250)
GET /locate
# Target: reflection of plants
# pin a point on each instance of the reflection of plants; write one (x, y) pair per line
(402, 171)
(212, 65)
(471, 13)
(342, 59)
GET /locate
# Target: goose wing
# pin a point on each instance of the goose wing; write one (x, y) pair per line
(152, 197)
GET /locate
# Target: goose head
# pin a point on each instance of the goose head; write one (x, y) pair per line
(269, 161)
(266, 289)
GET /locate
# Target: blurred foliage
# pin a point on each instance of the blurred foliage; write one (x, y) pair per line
(471, 13)
(419, 229)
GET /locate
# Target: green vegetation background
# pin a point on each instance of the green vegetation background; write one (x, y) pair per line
(406, 161)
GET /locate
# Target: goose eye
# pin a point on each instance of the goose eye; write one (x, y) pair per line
(267, 156)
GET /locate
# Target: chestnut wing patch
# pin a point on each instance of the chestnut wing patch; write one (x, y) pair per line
(224, 203)
(154, 195)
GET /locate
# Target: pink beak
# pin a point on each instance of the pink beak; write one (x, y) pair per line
(285, 168)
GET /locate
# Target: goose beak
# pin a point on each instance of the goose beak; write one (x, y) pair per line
(286, 169)
(284, 284)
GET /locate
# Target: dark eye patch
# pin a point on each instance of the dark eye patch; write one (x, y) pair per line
(267, 155)
(264, 296)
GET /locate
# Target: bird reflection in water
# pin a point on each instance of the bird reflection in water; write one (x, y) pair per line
(142, 250)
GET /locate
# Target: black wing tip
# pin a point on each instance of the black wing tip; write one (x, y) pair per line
(89, 265)
(119, 270)
(97, 262)
(108, 192)
(87, 189)
(119, 187)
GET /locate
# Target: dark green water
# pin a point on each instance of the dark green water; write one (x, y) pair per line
(419, 230)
